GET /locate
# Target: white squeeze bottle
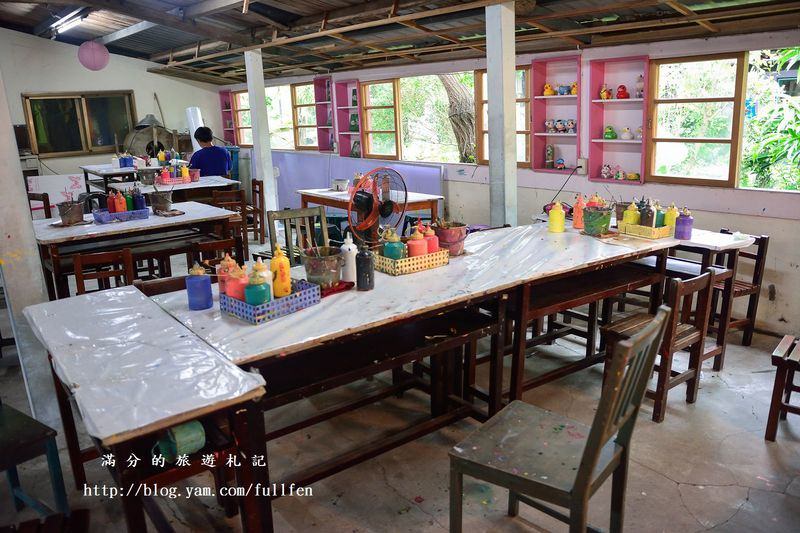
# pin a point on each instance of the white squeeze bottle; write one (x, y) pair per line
(349, 251)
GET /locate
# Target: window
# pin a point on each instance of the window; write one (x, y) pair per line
(304, 116)
(279, 114)
(241, 118)
(522, 114)
(379, 101)
(695, 119)
(63, 124)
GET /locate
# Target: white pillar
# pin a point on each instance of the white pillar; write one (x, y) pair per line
(262, 152)
(500, 66)
(21, 271)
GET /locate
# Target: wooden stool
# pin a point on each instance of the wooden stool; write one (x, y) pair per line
(786, 359)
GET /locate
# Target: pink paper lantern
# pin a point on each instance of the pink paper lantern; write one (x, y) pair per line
(93, 56)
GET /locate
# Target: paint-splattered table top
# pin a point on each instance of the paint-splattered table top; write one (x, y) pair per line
(108, 170)
(716, 241)
(204, 182)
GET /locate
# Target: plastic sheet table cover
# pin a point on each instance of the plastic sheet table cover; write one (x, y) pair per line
(131, 366)
(494, 260)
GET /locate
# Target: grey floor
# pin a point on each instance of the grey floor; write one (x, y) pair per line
(706, 467)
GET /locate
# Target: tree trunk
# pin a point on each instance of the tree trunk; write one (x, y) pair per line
(462, 116)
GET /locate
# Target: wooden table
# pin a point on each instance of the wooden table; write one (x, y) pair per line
(107, 172)
(56, 242)
(196, 190)
(415, 201)
(134, 372)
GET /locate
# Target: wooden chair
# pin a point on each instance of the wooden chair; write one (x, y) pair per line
(547, 459)
(40, 197)
(786, 359)
(304, 222)
(210, 253)
(22, 439)
(234, 201)
(742, 287)
(103, 266)
(686, 329)
(255, 212)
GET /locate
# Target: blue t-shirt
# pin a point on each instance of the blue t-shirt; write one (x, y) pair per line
(212, 161)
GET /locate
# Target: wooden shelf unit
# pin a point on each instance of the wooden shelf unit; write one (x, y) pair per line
(556, 71)
(228, 121)
(343, 104)
(323, 91)
(628, 154)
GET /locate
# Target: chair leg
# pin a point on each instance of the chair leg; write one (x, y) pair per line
(456, 489)
(787, 391)
(56, 477)
(513, 503)
(662, 386)
(13, 482)
(775, 404)
(752, 309)
(262, 232)
(715, 294)
(577, 516)
(695, 363)
(619, 482)
(591, 330)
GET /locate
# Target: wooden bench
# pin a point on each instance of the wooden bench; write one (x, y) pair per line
(786, 359)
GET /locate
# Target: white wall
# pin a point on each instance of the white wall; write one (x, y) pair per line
(34, 64)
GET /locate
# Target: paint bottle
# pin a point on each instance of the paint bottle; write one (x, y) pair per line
(393, 248)
(577, 212)
(263, 270)
(683, 226)
(184, 172)
(556, 219)
(111, 203)
(120, 205)
(432, 240)
(416, 244)
(223, 270)
(631, 215)
(164, 175)
(236, 282)
(647, 215)
(671, 215)
(198, 289)
(349, 252)
(115, 162)
(162, 156)
(660, 215)
(365, 269)
(128, 201)
(257, 292)
(138, 199)
(280, 267)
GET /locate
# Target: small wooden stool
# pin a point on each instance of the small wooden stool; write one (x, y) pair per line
(786, 358)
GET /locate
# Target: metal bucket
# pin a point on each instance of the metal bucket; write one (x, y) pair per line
(161, 200)
(147, 175)
(452, 237)
(323, 265)
(70, 212)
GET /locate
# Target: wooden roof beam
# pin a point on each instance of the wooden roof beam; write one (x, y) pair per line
(366, 9)
(443, 36)
(547, 29)
(683, 10)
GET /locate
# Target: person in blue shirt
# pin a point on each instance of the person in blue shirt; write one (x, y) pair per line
(211, 160)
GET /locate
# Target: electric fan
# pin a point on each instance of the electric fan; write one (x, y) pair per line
(377, 202)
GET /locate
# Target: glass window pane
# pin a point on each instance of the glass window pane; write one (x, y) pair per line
(306, 116)
(304, 94)
(279, 113)
(244, 118)
(380, 94)
(246, 136)
(109, 119)
(380, 119)
(55, 124)
(697, 79)
(523, 148)
(693, 160)
(704, 120)
(521, 83)
(484, 88)
(382, 144)
(241, 100)
(522, 115)
(485, 113)
(485, 154)
(307, 136)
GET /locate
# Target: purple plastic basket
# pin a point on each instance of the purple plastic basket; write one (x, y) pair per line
(304, 294)
(102, 216)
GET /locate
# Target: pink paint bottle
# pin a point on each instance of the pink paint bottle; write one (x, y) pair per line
(417, 245)
(432, 240)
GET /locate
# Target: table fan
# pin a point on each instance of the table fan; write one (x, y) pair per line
(377, 202)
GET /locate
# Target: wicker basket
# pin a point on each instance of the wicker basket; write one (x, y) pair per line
(304, 294)
(409, 265)
(646, 231)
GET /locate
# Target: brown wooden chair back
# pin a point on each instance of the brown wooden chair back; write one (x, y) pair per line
(230, 200)
(40, 197)
(210, 253)
(257, 195)
(154, 287)
(300, 223)
(758, 257)
(690, 301)
(103, 267)
(623, 391)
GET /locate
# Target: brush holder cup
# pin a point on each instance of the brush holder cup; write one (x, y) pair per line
(323, 265)
(70, 212)
(161, 200)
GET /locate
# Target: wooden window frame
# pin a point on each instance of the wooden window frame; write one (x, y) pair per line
(84, 124)
(366, 149)
(479, 126)
(295, 124)
(236, 127)
(735, 142)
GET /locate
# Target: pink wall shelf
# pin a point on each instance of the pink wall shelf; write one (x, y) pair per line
(623, 154)
(323, 98)
(228, 124)
(343, 94)
(556, 71)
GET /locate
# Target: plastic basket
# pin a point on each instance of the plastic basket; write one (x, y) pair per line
(102, 216)
(646, 231)
(304, 294)
(409, 265)
(173, 181)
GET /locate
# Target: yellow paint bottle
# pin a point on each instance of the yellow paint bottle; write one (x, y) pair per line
(556, 219)
(671, 215)
(280, 267)
(631, 215)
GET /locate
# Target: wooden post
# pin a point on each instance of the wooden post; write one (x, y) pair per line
(500, 59)
(262, 151)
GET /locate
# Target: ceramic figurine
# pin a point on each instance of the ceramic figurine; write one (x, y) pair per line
(626, 134)
(560, 128)
(549, 125)
(571, 125)
(606, 173)
(563, 90)
(548, 90)
(560, 165)
(573, 89)
(633, 176)
(619, 174)
(609, 133)
(639, 87)
(622, 92)
(638, 134)
(605, 92)
(549, 156)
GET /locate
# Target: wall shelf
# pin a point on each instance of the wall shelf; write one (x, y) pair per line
(618, 101)
(228, 120)
(323, 92)
(555, 97)
(556, 134)
(621, 182)
(563, 70)
(343, 94)
(618, 141)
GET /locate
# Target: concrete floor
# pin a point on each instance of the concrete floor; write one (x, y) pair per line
(706, 467)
